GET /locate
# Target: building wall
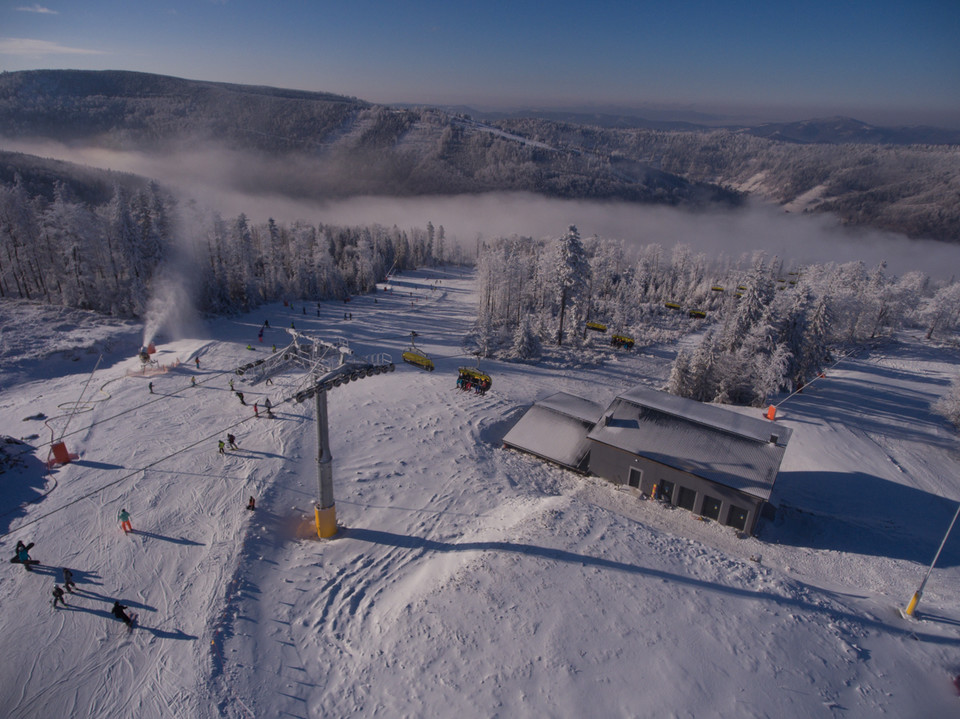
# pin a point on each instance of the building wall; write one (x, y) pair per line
(615, 464)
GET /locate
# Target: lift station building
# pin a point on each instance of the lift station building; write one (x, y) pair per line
(712, 461)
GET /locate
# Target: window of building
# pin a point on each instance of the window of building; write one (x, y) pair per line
(686, 498)
(665, 490)
(737, 518)
(711, 508)
(635, 476)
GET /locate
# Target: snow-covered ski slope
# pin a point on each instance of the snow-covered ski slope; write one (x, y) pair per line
(466, 580)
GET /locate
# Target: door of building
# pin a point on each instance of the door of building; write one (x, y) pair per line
(737, 518)
(665, 490)
(635, 476)
(686, 498)
(711, 508)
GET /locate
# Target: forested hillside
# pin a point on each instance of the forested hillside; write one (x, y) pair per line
(112, 242)
(763, 327)
(94, 239)
(317, 145)
(912, 189)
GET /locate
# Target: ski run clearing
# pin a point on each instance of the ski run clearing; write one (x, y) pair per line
(466, 580)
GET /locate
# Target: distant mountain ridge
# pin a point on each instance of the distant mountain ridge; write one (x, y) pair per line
(829, 130)
(120, 108)
(838, 130)
(319, 145)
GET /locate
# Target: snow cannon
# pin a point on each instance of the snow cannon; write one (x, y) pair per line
(144, 355)
(151, 349)
(59, 454)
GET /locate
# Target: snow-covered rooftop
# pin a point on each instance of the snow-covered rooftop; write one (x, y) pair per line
(705, 440)
(556, 428)
(709, 415)
(573, 406)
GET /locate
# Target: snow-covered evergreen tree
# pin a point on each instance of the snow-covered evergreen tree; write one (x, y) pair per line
(571, 276)
(769, 374)
(679, 382)
(703, 369)
(526, 344)
(942, 312)
(949, 405)
(750, 307)
(794, 334)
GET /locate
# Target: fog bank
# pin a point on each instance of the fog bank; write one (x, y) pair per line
(798, 239)
(212, 176)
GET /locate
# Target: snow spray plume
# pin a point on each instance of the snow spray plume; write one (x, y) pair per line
(170, 308)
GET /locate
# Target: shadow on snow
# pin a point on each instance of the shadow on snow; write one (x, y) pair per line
(862, 514)
(375, 536)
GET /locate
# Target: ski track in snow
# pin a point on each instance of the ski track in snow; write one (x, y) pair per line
(466, 579)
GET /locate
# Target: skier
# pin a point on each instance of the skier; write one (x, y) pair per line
(123, 516)
(197, 361)
(193, 381)
(231, 385)
(266, 323)
(58, 596)
(68, 580)
(266, 403)
(232, 442)
(240, 395)
(252, 504)
(118, 612)
(220, 446)
(256, 412)
(151, 387)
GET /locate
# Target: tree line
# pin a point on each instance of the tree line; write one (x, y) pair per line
(111, 257)
(760, 327)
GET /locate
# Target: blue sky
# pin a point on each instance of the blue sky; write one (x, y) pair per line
(881, 61)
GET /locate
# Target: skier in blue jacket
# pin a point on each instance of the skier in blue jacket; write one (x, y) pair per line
(23, 555)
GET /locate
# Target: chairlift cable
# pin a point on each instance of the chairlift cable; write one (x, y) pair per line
(130, 474)
(158, 398)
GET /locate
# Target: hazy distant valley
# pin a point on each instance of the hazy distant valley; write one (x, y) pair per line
(209, 140)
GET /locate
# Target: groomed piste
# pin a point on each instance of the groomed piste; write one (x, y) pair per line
(464, 579)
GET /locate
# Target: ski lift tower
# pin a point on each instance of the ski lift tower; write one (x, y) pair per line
(328, 365)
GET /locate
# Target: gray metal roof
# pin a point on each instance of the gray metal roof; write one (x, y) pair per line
(555, 428)
(573, 406)
(709, 415)
(705, 440)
